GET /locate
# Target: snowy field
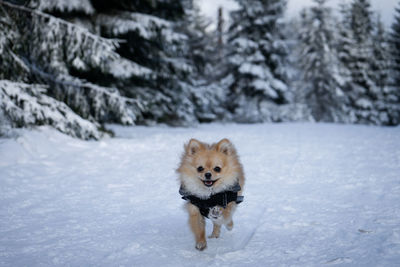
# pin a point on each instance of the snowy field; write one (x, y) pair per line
(316, 195)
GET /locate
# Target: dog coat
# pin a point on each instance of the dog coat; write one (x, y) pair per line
(219, 199)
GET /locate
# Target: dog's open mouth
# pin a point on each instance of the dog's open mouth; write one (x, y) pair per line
(209, 183)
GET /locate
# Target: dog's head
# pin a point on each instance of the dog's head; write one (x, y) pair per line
(213, 167)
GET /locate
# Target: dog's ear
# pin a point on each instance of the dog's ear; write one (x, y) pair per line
(225, 146)
(193, 147)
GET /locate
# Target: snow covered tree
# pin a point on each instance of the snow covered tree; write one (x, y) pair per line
(47, 50)
(318, 60)
(207, 55)
(387, 108)
(393, 90)
(345, 41)
(366, 59)
(395, 46)
(361, 28)
(297, 108)
(153, 40)
(380, 52)
(362, 91)
(138, 73)
(195, 27)
(257, 58)
(24, 105)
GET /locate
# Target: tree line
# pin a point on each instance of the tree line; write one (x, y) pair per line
(77, 65)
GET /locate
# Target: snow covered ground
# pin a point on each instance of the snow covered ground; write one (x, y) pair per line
(316, 195)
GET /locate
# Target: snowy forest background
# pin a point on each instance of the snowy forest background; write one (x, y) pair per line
(78, 64)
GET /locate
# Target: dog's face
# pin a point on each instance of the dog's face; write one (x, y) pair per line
(208, 168)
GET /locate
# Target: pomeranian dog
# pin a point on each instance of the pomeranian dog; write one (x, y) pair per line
(212, 180)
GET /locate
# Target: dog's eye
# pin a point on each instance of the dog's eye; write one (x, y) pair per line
(200, 169)
(217, 169)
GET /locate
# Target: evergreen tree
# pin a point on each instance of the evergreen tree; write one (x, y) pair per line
(318, 60)
(77, 64)
(46, 50)
(381, 71)
(195, 27)
(298, 108)
(363, 92)
(155, 40)
(361, 28)
(368, 90)
(24, 105)
(345, 43)
(395, 46)
(257, 58)
(206, 55)
(361, 20)
(139, 73)
(380, 52)
(393, 91)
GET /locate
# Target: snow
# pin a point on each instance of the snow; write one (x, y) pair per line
(265, 86)
(252, 69)
(316, 194)
(244, 43)
(83, 6)
(364, 103)
(145, 25)
(124, 68)
(26, 105)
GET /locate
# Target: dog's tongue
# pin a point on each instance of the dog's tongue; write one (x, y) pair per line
(208, 183)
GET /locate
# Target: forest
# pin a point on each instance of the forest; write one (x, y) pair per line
(77, 65)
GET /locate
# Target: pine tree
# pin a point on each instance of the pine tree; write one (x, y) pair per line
(154, 39)
(361, 28)
(395, 46)
(368, 90)
(380, 52)
(206, 55)
(361, 20)
(345, 42)
(195, 27)
(25, 105)
(257, 58)
(318, 60)
(297, 107)
(363, 92)
(48, 50)
(109, 61)
(393, 91)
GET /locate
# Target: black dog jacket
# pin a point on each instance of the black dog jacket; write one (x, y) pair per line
(221, 199)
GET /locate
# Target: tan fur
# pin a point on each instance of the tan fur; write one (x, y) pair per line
(221, 154)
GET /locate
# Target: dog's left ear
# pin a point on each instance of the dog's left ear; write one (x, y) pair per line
(225, 146)
(193, 146)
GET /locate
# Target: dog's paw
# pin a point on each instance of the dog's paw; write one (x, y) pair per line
(214, 235)
(229, 226)
(216, 212)
(201, 245)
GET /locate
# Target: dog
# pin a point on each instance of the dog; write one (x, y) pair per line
(211, 180)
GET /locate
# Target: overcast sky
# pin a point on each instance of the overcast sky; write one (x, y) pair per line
(384, 7)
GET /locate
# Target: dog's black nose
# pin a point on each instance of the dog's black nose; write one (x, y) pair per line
(208, 175)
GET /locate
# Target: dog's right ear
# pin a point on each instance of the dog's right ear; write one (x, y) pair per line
(193, 147)
(225, 146)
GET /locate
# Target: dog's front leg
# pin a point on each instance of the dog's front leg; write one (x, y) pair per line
(197, 224)
(227, 213)
(216, 231)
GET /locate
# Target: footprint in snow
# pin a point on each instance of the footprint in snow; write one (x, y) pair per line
(339, 260)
